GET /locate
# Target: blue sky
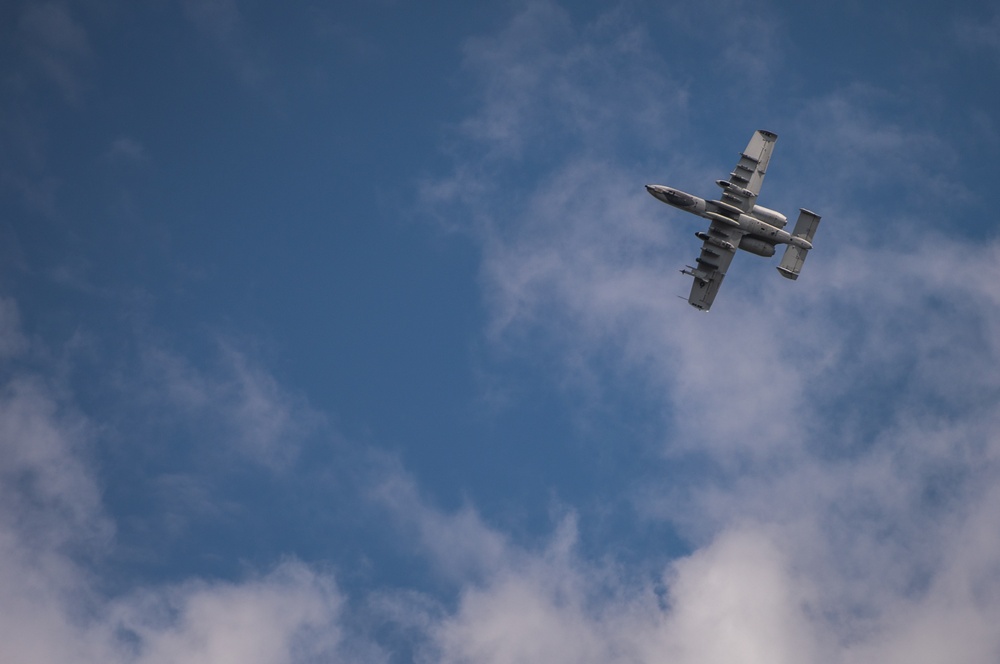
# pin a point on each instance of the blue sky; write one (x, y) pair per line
(349, 333)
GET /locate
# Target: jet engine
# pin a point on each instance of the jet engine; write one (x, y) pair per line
(769, 216)
(755, 246)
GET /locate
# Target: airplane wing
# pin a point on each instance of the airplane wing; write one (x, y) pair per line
(747, 177)
(717, 251)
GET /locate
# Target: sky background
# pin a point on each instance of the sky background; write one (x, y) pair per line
(347, 332)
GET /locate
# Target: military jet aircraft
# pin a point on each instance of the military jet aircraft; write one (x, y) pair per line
(739, 223)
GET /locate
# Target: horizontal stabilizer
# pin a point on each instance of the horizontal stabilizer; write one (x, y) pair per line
(805, 229)
(806, 225)
(791, 262)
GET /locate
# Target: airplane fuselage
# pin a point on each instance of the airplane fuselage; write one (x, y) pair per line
(761, 236)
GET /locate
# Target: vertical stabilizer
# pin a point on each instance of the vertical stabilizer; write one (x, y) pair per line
(805, 229)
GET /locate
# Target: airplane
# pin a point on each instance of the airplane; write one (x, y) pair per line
(739, 223)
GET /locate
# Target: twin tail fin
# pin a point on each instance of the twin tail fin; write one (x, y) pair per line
(805, 229)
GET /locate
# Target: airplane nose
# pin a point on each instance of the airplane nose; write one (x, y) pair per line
(655, 190)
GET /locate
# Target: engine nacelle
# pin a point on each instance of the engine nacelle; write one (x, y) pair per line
(769, 216)
(755, 246)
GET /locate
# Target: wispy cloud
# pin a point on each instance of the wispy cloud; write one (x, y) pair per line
(125, 149)
(13, 342)
(527, 79)
(459, 545)
(745, 42)
(222, 22)
(848, 145)
(979, 34)
(256, 418)
(58, 45)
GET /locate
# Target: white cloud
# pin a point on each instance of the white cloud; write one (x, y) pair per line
(55, 533)
(50, 513)
(759, 592)
(736, 597)
(521, 619)
(49, 496)
(289, 615)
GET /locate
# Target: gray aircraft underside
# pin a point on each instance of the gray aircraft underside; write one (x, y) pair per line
(739, 223)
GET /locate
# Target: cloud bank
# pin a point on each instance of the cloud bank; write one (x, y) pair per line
(849, 417)
(55, 532)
